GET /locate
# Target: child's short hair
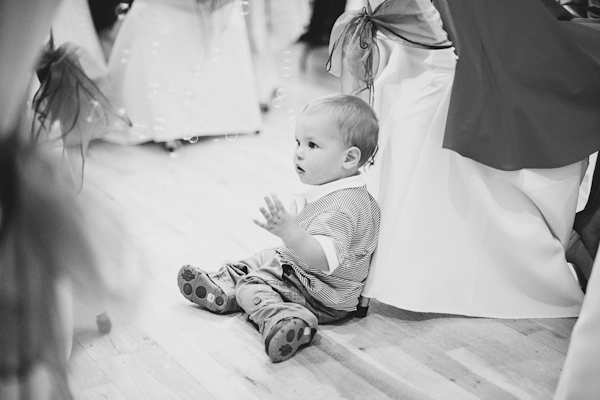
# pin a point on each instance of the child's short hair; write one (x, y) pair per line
(355, 119)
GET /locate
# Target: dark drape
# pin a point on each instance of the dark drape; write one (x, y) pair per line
(527, 88)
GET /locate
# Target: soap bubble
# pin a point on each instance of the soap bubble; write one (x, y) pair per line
(231, 136)
(280, 93)
(287, 56)
(159, 124)
(153, 90)
(141, 130)
(197, 70)
(125, 56)
(291, 114)
(121, 9)
(155, 48)
(216, 54)
(277, 102)
(245, 7)
(171, 85)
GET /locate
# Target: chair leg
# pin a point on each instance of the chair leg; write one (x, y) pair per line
(362, 308)
(104, 323)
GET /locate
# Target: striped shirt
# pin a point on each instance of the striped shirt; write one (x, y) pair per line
(344, 212)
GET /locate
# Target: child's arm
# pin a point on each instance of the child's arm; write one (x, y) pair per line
(284, 223)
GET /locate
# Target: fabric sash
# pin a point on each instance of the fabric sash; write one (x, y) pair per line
(353, 45)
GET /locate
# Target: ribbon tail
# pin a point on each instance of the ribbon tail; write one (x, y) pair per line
(337, 41)
(353, 53)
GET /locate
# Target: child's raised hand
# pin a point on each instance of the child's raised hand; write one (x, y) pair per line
(278, 220)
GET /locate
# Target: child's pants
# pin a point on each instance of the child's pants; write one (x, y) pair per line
(268, 290)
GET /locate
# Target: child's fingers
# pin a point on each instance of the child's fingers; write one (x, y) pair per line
(259, 223)
(265, 214)
(270, 204)
(278, 202)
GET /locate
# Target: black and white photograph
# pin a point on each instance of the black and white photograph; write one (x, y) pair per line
(299, 199)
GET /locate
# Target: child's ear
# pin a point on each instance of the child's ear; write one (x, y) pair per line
(352, 157)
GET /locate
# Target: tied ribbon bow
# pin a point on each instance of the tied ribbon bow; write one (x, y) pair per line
(354, 46)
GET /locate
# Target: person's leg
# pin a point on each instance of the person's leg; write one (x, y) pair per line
(587, 221)
(268, 299)
(285, 316)
(216, 290)
(284, 326)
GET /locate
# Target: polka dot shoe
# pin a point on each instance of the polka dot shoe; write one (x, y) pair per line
(197, 287)
(287, 337)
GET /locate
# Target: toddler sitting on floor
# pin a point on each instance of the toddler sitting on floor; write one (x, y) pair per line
(317, 274)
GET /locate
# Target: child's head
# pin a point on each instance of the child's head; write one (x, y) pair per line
(335, 136)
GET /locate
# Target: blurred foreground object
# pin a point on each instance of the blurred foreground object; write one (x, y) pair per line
(579, 377)
(49, 242)
(46, 238)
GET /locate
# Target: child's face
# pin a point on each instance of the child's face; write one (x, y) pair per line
(320, 151)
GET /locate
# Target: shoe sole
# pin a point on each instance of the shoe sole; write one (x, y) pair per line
(196, 286)
(284, 343)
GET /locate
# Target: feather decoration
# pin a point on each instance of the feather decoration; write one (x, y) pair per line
(68, 105)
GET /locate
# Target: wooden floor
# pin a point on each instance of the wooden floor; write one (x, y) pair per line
(196, 207)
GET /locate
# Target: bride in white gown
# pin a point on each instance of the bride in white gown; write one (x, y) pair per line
(182, 69)
(457, 236)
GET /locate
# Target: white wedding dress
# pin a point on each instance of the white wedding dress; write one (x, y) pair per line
(179, 71)
(457, 236)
